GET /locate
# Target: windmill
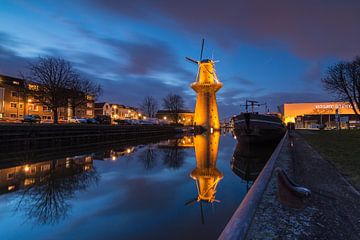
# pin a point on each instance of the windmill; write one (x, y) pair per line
(206, 85)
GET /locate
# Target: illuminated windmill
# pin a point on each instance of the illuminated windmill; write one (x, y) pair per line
(206, 85)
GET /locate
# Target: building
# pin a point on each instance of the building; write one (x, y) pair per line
(15, 103)
(116, 111)
(206, 86)
(315, 114)
(185, 117)
(13, 178)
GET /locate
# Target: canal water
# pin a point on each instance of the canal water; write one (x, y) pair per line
(183, 188)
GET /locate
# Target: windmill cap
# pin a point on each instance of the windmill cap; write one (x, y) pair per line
(205, 61)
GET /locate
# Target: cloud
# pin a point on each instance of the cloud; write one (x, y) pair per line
(10, 62)
(311, 29)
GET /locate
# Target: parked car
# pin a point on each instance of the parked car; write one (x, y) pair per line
(32, 118)
(91, 121)
(123, 121)
(77, 120)
(103, 119)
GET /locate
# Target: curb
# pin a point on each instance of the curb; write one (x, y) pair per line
(241, 220)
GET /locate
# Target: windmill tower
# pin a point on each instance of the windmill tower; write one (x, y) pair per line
(206, 85)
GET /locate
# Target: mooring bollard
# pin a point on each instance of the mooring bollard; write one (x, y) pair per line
(289, 193)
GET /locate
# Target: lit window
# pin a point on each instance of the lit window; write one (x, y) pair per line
(10, 175)
(88, 159)
(29, 181)
(16, 83)
(33, 87)
(45, 167)
(11, 188)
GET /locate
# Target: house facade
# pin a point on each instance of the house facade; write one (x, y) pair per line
(15, 103)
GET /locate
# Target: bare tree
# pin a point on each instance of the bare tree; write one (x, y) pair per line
(343, 79)
(173, 103)
(149, 106)
(47, 201)
(51, 79)
(80, 90)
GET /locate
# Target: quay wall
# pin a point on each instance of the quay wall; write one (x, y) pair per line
(240, 222)
(42, 135)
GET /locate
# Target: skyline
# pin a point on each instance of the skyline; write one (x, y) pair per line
(274, 52)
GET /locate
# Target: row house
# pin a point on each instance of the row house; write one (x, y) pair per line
(116, 111)
(15, 103)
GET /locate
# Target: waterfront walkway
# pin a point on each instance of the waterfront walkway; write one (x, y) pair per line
(333, 212)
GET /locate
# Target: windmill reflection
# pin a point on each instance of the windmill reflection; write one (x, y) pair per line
(249, 159)
(206, 175)
(44, 189)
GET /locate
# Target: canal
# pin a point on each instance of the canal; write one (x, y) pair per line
(183, 188)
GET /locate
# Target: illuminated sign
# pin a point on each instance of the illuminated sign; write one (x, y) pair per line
(332, 106)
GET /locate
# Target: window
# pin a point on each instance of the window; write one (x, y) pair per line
(15, 94)
(33, 87)
(89, 105)
(29, 181)
(33, 107)
(45, 167)
(89, 112)
(13, 105)
(46, 109)
(21, 105)
(13, 115)
(10, 175)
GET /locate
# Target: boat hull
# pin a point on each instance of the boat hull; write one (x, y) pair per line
(251, 127)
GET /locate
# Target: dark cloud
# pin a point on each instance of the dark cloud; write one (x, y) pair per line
(311, 29)
(242, 81)
(12, 64)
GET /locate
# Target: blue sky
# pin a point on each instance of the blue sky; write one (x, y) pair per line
(270, 51)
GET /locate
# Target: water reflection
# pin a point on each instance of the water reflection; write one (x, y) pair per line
(206, 175)
(249, 159)
(43, 189)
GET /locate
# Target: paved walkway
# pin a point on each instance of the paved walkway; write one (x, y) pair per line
(333, 211)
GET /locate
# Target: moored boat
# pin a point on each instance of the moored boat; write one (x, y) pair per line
(255, 127)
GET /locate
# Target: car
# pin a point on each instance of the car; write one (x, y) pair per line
(77, 120)
(103, 119)
(123, 121)
(33, 118)
(91, 121)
